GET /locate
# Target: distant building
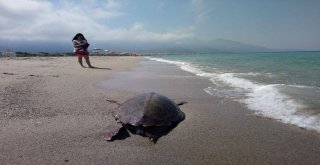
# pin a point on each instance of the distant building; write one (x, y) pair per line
(100, 52)
(97, 52)
(8, 53)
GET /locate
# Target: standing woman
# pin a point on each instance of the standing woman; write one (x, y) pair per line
(80, 46)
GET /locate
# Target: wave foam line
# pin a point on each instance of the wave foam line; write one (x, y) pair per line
(265, 100)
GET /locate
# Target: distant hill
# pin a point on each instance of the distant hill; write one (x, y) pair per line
(187, 46)
(235, 46)
(177, 46)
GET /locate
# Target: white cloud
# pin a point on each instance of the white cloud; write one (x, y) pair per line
(164, 36)
(137, 26)
(38, 20)
(24, 6)
(101, 13)
(200, 10)
(198, 4)
(138, 33)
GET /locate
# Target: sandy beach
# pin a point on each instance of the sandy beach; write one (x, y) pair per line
(52, 111)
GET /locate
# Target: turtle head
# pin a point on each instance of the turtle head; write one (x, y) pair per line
(112, 131)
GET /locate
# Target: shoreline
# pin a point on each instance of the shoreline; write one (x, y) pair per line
(53, 112)
(268, 95)
(230, 122)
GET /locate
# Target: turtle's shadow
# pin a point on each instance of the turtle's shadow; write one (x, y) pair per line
(157, 132)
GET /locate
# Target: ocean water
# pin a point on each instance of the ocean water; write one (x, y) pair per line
(284, 85)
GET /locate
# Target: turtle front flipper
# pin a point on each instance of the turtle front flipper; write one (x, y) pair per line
(112, 131)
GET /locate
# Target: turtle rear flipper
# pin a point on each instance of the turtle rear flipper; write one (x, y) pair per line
(152, 138)
(112, 131)
(181, 103)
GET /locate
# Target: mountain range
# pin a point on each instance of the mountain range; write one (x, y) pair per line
(177, 46)
(184, 46)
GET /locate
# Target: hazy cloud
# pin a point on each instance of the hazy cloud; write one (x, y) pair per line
(200, 10)
(36, 20)
(270, 23)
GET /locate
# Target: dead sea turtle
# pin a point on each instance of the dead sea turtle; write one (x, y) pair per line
(145, 114)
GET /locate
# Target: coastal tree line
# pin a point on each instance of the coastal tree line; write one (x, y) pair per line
(28, 54)
(63, 54)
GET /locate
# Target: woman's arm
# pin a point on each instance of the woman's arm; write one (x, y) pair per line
(78, 44)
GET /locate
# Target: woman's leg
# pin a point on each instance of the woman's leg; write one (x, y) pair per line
(80, 60)
(88, 61)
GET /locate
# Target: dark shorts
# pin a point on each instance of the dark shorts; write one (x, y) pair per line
(81, 53)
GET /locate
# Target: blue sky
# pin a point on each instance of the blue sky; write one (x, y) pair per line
(283, 24)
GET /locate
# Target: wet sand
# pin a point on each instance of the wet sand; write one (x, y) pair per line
(54, 112)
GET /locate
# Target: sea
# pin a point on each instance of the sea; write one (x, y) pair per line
(284, 86)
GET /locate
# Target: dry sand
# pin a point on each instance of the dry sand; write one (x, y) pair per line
(52, 111)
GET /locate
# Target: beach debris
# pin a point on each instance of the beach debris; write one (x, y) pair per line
(33, 75)
(7, 73)
(150, 115)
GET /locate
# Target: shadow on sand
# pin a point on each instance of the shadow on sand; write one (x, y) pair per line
(157, 132)
(99, 68)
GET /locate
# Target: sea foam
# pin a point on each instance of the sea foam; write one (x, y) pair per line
(265, 99)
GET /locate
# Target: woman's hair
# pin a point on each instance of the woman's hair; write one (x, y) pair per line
(76, 36)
